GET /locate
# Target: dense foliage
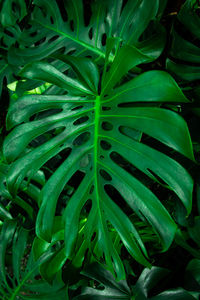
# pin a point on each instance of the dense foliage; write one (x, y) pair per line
(99, 172)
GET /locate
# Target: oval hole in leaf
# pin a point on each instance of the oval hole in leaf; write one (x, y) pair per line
(107, 126)
(87, 12)
(105, 145)
(105, 175)
(91, 189)
(43, 138)
(90, 33)
(81, 139)
(8, 33)
(104, 108)
(86, 208)
(71, 52)
(93, 237)
(52, 20)
(103, 39)
(45, 113)
(81, 120)
(33, 34)
(54, 38)
(62, 10)
(77, 107)
(71, 23)
(40, 41)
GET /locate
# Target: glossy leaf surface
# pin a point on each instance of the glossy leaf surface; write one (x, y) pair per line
(101, 134)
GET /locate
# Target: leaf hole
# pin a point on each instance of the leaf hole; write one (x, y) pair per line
(93, 236)
(40, 41)
(77, 107)
(71, 24)
(45, 113)
(86, 208)
(103, 39)
(71, 52)
(81, 120)
(8, 33)
(107, 126)
(105, 108)
(90, 33)
(87, 12)
(33, 33)
(105, 145)
(44, 137)
(105, 175)
(101, 157)
(91, 189)
(82, 139)
(54, 38)
(52, 20)
(62, 9)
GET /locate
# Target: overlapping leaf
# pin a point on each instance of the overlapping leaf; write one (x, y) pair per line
(74, 27)
(185, 52)
(101, 134)
(27, 200)
(108, 288)
(19, 272)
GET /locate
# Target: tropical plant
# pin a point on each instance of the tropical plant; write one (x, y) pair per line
(92, 129)
(150, 285)
(101, 132)
(19, 273)
(184, 56)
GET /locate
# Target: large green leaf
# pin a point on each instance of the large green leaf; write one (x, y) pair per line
(101, 134)
(19, 273)
(107, 288)
(81, 28)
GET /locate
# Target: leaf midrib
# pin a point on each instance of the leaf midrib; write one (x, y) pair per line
(96, 135)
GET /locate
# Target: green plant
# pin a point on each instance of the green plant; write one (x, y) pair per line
(100, 132)
(92, 129)
(19, 275)
(150, 285)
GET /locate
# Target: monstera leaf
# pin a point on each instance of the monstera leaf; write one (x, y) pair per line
(27, 198)
(185, 52)
(12, 12)
(98, 123)
(107, 288)
(19, 273)
(36, 31)
(81, 28)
